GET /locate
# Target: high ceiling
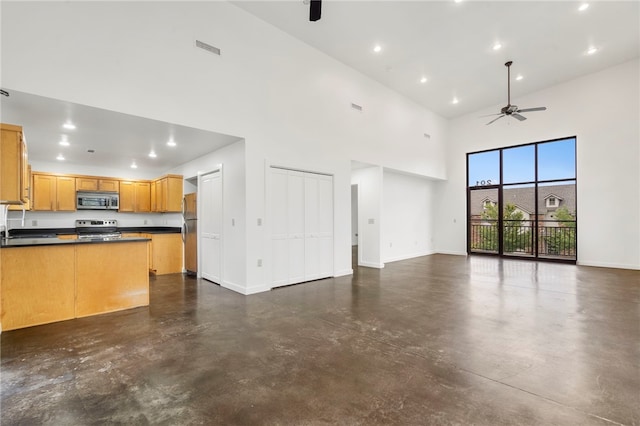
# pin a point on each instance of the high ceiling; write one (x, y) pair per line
(452, 43)
(448, 42)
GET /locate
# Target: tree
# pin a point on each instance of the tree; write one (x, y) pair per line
(561, 239)
(516, 236)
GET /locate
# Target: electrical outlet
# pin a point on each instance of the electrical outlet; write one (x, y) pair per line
(259, 221)
(233, 222)
(259, 263)
(145, 221)
(34, 223)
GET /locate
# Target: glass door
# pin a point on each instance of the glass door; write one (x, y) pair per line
(521, 201)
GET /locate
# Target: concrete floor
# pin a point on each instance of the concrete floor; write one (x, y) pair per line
(433, 340)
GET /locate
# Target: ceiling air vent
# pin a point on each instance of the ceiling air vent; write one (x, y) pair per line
(207, 47)
(356, 107)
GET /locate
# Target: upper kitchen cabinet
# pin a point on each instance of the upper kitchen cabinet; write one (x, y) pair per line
(96, 184)
(166, 195)
(53, 193)
(14, 167)
(135, 196)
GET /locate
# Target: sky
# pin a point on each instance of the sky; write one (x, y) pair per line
(556, 160)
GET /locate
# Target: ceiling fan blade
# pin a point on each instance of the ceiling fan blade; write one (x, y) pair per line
(501, 115)
(489, 115)
(532, 109)
(518, 116)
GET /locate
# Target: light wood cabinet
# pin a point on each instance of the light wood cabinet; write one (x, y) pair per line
(53, 193)
(135, 196)
(166, 253)
(14, 162)
(111, 277)
(168, 194)
(87, 184)
(38, 285)
(45, 284)
(110, 185)
(96, 184)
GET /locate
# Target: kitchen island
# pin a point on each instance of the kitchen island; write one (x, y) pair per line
(45, 280)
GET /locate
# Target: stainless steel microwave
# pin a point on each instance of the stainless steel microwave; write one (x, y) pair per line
(98, 200)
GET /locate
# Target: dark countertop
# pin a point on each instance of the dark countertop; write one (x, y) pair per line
(52, 232)
(53, 241)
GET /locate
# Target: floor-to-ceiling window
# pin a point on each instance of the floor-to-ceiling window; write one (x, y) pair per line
(521, 200)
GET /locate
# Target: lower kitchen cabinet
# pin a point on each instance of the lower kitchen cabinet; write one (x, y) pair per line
(166, 253)
(107, 286)
(44, 284)
(38, 285)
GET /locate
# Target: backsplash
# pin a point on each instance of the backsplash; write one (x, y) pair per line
(34, 220)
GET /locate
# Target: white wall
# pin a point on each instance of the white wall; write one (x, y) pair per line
(291, 103)
(370, 195)
(602, 110)
(407, 216)
(232, 160)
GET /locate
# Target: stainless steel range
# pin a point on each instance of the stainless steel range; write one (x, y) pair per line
(97, 229)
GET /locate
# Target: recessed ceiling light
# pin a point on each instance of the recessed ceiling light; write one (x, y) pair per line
(64, 143)
(60, 157)
(519, 77)
(171, 143)
(497, 46)
(423, 80)
(592, 50)
(457, 1)
(455, 100)
(152, 154)
(69, 125)
(377, 48)
(134, 165)
(583, 7)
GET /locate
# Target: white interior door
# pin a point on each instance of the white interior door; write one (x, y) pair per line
(301, 226)
(211, 226)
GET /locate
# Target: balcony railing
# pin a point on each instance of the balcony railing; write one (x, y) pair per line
(556, 238)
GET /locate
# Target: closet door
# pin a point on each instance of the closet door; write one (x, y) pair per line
(279, 228)
(301, 226)
(325, 226)
(318, 197)
(296, 227)
(211, 226)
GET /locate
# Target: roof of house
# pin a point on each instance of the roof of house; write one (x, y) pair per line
(523, 198)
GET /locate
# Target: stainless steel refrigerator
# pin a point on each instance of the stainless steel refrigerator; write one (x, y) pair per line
(190, 233)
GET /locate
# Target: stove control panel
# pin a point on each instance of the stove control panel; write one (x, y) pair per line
(93, 223)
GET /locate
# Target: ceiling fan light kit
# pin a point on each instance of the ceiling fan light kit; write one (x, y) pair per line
(512, 110)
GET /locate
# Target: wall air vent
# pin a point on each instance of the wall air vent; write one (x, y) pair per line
(356, 107)
(207, 47)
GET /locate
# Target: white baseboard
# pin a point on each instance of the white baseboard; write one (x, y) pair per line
(453, 253)
(244, 290)
(343, 273)
(371, 265)
(408, 256)
(608, 265)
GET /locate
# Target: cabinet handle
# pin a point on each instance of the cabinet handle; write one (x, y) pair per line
(51, 206)
(58, 205)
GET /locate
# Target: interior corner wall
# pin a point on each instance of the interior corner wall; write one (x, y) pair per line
(407, 216)
(232, 160)
(370, 187)
(602, 111)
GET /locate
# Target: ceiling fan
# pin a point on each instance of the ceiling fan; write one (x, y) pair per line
(512, 110)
